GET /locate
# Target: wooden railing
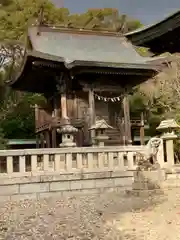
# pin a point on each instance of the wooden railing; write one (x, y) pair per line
(57, 122)
(68, 160)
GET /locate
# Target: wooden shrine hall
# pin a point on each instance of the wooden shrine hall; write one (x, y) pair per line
(85, 77)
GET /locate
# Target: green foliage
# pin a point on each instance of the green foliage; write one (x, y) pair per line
(154, 112)
(20, 122)
(3, 142)
(18, 14)
(5, 3)
(137, 103)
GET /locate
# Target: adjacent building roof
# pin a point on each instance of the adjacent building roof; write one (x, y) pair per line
(163, 36)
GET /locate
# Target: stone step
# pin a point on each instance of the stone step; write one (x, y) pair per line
(113, 132)
(113, 142)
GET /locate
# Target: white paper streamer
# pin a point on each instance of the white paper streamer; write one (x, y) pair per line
(107, 99)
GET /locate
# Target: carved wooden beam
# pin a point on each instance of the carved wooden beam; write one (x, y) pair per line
(109, 88)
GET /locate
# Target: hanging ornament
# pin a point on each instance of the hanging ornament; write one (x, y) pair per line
(107, 99)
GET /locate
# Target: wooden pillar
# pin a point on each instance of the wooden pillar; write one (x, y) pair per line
(132, 135)
(37, 140)
(127, 121)
(56, 107)
(64, 106)
(47, 137)
(92, 114)
(142, 130)
(122, 132)
(53, 135)
(42, 140)
(36, 114)
(75, 107)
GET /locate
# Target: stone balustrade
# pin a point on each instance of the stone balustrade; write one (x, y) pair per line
(31, 162)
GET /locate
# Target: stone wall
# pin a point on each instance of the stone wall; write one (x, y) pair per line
(43, 186)
(36, 173)
(172, 177)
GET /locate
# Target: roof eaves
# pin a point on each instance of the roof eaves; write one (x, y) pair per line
(162, 59)
(154, 64)
(151, 26)
(148, 65)
(143, 35)
(114, 65)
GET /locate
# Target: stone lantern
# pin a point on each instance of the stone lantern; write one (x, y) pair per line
(168, 128)
(67, 132)
(100, 132)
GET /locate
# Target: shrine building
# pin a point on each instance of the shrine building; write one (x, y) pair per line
(85, 76)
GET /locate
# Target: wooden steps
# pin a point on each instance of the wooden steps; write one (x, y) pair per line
(114, 137)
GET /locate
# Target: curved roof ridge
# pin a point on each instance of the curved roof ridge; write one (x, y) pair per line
(149, 26)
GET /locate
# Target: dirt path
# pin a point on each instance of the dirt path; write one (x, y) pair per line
(161, 221)
(106, 216)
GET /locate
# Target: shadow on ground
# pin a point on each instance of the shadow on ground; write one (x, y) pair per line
(116, 205)
(78, 217)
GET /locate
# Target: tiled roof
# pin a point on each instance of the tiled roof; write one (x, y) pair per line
(79, 46)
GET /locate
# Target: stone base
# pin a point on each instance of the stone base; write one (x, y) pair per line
(68, 144)
(148, 180)
(100, 139)
(64, 184)
(146, 185)
(145, 193)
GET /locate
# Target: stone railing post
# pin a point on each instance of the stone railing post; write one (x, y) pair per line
(169, 148)
(160, 154)
(168, 127)
(76, 159)
(9, 160)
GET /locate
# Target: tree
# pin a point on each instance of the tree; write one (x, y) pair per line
(105, 18)
(163, 91)
(5, 3)
(159, 97)
(3, 141)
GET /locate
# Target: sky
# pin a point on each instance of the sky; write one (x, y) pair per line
(146, 11)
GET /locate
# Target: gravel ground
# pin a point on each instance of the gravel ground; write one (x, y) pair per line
(104, 216)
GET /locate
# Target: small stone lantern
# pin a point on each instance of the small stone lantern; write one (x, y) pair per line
(168, 128)
(67, 132)
(100, 132)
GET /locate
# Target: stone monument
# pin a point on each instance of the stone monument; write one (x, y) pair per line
(148, 176)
